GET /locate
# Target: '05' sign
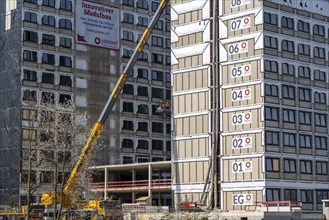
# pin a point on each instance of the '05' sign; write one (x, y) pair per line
(242, 199)
(240, 143)
(240, 71)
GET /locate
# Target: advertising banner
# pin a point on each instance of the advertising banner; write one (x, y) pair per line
(97, 25)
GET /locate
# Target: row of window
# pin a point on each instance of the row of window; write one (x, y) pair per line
(294, 140)
(144, 22)
(43, 177)
(305, 196)
(48, 20)
(290, 69)
(155, 57)
(47, 77)
(144, 144)
(289, 23)
(144, 4)
(47, 39)
(141, 108)
(290, 166)
(142, 159)
(289, 116)
(289, 46)
(47, 58)
(32, 96)
(142, 73)
(155, 40)
(63, 4)
(157, 127)
(144, 91)
(289, 92)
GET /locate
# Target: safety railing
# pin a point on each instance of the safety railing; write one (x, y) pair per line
(155, 184)
(280, 206)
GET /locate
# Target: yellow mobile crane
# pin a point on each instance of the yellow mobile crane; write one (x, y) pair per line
(48, 198)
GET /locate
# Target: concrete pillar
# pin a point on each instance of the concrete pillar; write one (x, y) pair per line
(150, 181)
(133, 178)
(105, 182)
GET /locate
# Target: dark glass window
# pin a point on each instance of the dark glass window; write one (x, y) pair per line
(30, 36)
(128, 125)
(306, 167)
(320, 120)
(304, 72)
(271, 66)
(157, 93)
(157, 75)
(29, 95)
(305, 141)
(270, 18)
(142, 73)
(30, 16)
(142, 4)
(320, 75)
(48, 39)
(290, 166)
(128, 18)
(288, 46)
(128, 89)
(272, 164)
(48, 58)
(143, 144)
(50, 3)
(143, 21)
(321, 168)
(319, 52)
(64, 98)
(65, 61)
(287, 22)
(48, 20)
(303, 26)
(29, 55)
(128, 35)
(318, 30)
(127, 107)
(155, 6)
(288, 92)
(157, 58)
(65, 42)
(305, 118)
(273, 195)
(272, 138)
(320, 97)
(128, 2)
(30, 75)
(65, 23)
(289, 140)
(272, 113)
(65, 80)
(157, 127)
(157, 41)
(142, 91)
(157, 145)
(143, 126)
(304, 49)
(289, 115)
(127, 143)
(271, 42)
(288, 69)
(48, 78)
(305, 94)
(66, 5)
(143, 109)
(321, 142)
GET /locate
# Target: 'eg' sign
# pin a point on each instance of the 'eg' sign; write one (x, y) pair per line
(242, 199)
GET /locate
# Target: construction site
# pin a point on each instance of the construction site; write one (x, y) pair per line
(158, 109)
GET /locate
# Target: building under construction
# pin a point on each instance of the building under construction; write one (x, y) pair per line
(250, 102)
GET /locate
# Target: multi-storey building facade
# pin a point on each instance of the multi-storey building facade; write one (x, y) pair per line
(41, 57)
(273, 95)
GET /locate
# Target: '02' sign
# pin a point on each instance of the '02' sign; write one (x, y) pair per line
(242, 199)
